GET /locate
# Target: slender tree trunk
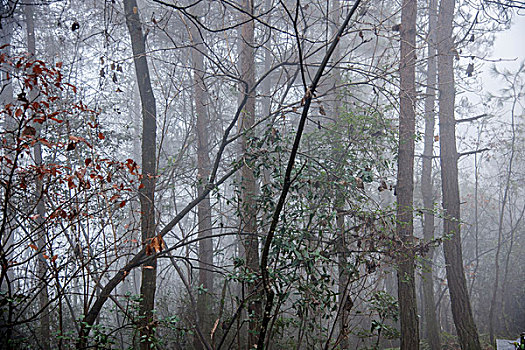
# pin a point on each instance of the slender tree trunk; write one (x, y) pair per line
(405, 178)
(7, 278)
(476, 222)
(431, 323)
(147, 192)
(514, 224)
(342, 287)
(508, 178)
(248, 184)
(266, 84)
(459, 298)
(342, 249)
(43, 296)
(204, 300)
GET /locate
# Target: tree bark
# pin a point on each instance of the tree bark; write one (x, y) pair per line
(201, 96)
(405, 178)
(248, 184)
(147, 192)
(431, 322)
(459, 298)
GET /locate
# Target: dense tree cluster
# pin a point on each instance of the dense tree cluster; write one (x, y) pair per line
(253, 174)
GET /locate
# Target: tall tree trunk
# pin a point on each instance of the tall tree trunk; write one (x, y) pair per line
(431, 323)
(43, 296)
(201, 96)
(147, 192)
(248, 184)
(459, 298)
(405, 178)
(506, 190)
(345, 300)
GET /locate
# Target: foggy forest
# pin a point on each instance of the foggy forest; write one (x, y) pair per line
(262, 174)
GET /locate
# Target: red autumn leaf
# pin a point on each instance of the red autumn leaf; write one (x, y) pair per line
(53, 259)
(115, 196)
(56, 120)
(141, 186)
(37, 69)
(33, 246)
(59, 64)
(101, 136)
(88, 161)
(19, 112)
(45, 256)
(122, 204)
(71, 146)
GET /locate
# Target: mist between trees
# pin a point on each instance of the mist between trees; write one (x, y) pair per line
(259, 175)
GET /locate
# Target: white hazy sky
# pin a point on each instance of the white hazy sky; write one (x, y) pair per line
(509, 45)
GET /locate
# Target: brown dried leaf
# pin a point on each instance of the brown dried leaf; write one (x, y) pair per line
(359, 183)
(156, 245)
(29, 131)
